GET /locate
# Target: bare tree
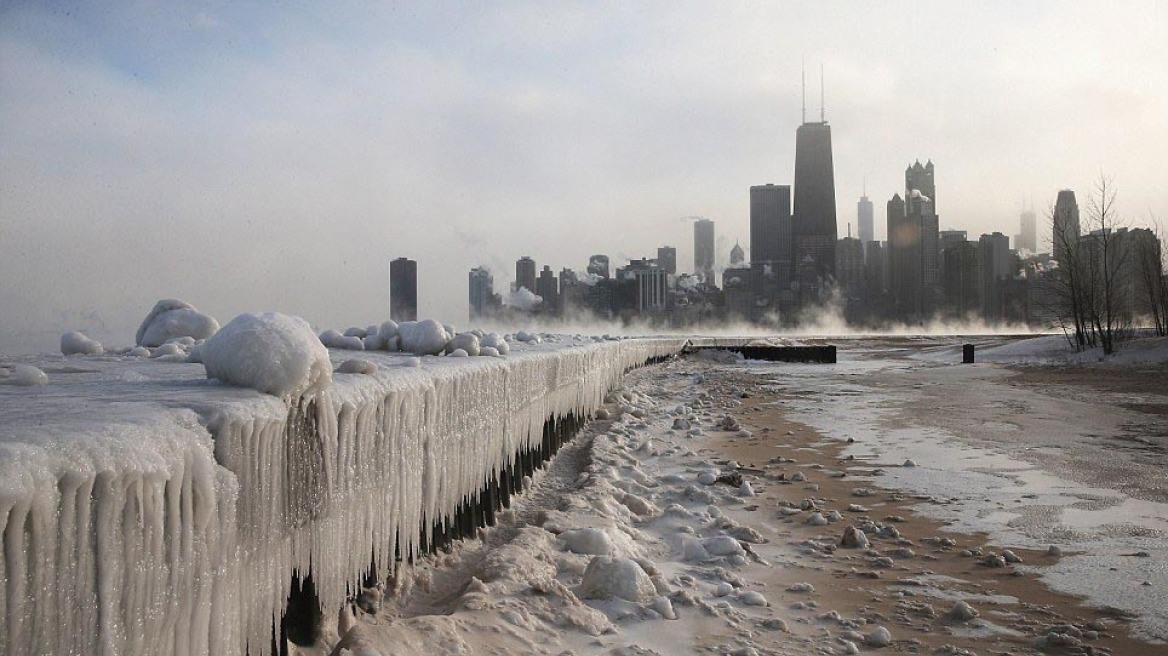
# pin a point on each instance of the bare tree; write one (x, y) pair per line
(1068, 280)
(1106, 259)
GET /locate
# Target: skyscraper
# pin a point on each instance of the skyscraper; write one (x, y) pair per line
(525, 274)
(704, 250)
(1027, 238)
(667, 259)
(814, 223)
(864, 220)
(403, 290)
(548, 288)
(770, 223)
(482, 291)
(737, 256)
(921, 179)
(1066, 225)
(994, 253)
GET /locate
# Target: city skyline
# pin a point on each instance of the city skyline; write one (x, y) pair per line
(157, 154)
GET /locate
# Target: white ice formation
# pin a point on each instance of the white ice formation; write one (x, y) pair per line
(172, 318)
(274, 353)
(168, 517)
(76, 343)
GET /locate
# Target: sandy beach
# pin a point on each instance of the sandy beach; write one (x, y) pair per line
(733, 493)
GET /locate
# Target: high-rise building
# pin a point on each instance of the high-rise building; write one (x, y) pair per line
(813, 227)
(548, 288)
(994, 253)
(913, 248)
(403, 290)
(704, 250)
(667, 259)
(1066, 226)
(849, 265)
(525, 274)
(737, 255)
(960, 283)
(864, 220)
(921, 179)
(1027, 238)
(770, 224)
(598, 266)
(482, 292)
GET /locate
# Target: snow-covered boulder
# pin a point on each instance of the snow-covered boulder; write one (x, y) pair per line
(587, 541)
(333, 339)
(357, 366)
(271, 352)
(495, 341)
(76, 343)
(172, 318)
(607, 577)
(426, 337)
(24, 375)
(468, 342)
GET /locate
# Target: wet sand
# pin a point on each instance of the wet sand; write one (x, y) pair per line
(912, 596)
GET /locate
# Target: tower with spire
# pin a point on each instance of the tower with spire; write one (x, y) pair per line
(814, 230)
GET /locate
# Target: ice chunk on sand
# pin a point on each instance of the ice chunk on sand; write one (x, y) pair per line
(25, 375)
(76, 343)
(426, 337)
(174, 318)
(607, 577)
(356, 366)
(271, 352)
(587, 541)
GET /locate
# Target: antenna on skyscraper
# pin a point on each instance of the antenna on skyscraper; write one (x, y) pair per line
(803, 71)
(822, 112)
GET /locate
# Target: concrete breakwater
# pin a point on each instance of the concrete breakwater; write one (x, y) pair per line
(147, 510)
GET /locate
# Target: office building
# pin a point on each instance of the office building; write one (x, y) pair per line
(704, 250)
(403, 290)
(864, 220)
(813, 227)
(525, 274)
(667, 259)
(598, 266)
(1027, 238)
(482, 292)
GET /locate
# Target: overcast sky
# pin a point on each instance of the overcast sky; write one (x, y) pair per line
(274, 156)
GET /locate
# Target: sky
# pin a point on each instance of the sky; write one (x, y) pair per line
(276, 156)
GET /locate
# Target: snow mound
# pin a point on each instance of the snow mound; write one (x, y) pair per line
(76, 343)
(172, 318)
(616, 577)
(426, 337)
(274, 353)
(592, 541)
(25, 375)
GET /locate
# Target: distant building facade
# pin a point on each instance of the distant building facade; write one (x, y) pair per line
(483, 301)
(865, 220)
(1066, 228)
(598, 266)
(1027, 238)
(525, 274)
(667, 259)
(403, 290)
(704, 250)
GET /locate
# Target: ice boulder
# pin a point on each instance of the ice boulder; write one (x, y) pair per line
(172, 318)
(271, 352)
(468, 342)
(607, 577)
(76, 343)
(25, 375)
(333, 339)
(495, 341)
(592, 541)
(426, 337)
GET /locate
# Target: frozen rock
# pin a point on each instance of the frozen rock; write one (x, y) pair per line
(387, 329)
(426, 337)
(961, 612)
(468, 342)
(393, 344)
(909, 463)
(76, 343)
(745, 490)
(488, 352)
(592, 541)
(603, 414)
(798, 477)
(817, 519)
(805, 588)
(373, 342)
(693, 551)
(607, 577)
(274, 353)
(880, 637)
(139, 352)
(357, 366)
(638, 505)
(332, 339)
(496, 342)
(849, 647)
(166, 350)
(708, 477)
(1054, 551)
(753, 598)
(723, 545)
(1011, 557)
(25, 375)
(174, 318)
(854, 538)
(458, 353)
(723, 589)
(680, 424)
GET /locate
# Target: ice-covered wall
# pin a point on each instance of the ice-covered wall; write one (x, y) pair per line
(145, 516)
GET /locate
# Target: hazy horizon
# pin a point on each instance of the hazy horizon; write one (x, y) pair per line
(248, 160)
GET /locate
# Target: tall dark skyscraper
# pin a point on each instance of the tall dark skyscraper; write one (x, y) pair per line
(704, 250)
(1027, 238)
(525, 274)
(920, 178)
(770, 225)
(667, 259)
(482, 291)
(1066, 225)
(814, 225)
(864, 220)
(403, 290)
